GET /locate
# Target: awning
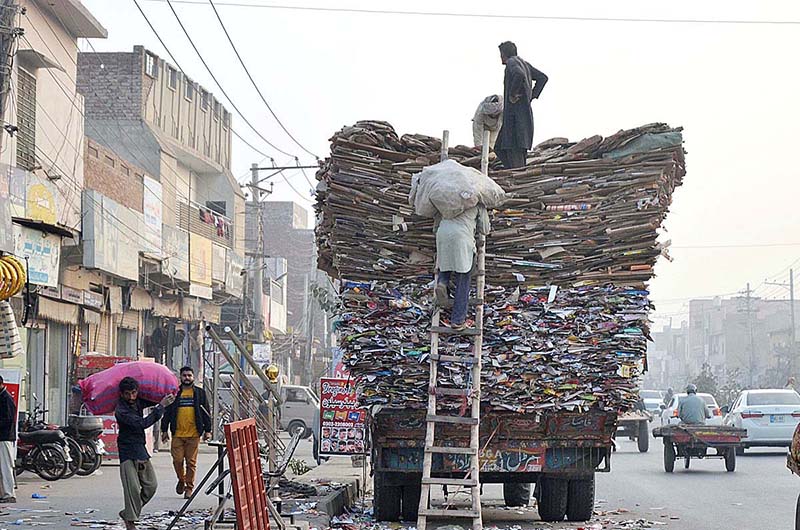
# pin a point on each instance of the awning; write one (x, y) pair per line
(141, 300)
(167, 308)
(58, 312)
(91, 317)
(115, 299)
(190, 309)
(211, 313)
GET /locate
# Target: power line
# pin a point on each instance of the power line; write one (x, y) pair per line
(248, 144)
(213, 76)
(453, 14)
(255, 85)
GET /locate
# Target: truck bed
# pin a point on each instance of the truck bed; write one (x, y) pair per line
(511, 443)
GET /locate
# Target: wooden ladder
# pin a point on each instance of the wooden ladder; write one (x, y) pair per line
(472, 479)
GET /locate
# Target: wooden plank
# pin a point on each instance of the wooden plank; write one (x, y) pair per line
(432, 512)
(443, 330)
(466, 359)
(468, 482)
(452, 450)
(460, 420)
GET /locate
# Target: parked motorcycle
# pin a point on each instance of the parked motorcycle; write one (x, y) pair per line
(42, 451)
(35, 422)
(86, 431)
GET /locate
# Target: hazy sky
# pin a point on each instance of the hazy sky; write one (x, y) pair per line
(734, 87)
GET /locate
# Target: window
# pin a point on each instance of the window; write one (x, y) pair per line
(26, 121)
(762, 399)
(172, 81)
(296, 395)
(151, 64)
(126, 342)
(189, 89)
(203, 100)
(110, 161)
(226, 118)
(216, 110)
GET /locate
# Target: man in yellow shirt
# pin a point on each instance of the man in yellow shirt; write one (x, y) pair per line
(188, 420)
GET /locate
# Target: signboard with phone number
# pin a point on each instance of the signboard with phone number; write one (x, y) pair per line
(342, 421)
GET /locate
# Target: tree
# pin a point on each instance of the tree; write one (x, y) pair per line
(706, 382)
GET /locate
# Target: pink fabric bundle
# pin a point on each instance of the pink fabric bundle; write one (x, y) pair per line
(100, 391)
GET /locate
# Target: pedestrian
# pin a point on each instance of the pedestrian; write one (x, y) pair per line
(522, 83)
(188, 420)
(8, 435)
(455, 254)
(136, 472)
(488, 117)
(790, 383)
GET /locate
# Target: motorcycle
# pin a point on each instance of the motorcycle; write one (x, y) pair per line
(42, 451)
(35, 422)
(86, 431)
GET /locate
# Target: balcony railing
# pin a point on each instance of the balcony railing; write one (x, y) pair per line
(205, 222)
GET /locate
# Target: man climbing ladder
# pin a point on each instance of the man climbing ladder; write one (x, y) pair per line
(472, 219)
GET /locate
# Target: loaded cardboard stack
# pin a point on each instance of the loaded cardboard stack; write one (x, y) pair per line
(566, 316)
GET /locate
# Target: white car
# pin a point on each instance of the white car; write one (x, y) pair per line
(669, 415)
(769, 415)
(652, 400)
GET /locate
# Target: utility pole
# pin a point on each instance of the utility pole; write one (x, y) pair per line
(749, 310)
(258, 298)
(792, 327)
(8, 33)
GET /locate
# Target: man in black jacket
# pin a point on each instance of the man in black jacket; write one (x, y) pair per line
(8, 434)
(138, 477)
(188, 420)
(522, 84)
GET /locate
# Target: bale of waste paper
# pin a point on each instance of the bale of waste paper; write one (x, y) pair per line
(100, 391)
(448, 189)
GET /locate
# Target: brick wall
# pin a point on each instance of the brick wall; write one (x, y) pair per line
(112, 176)
(111, 84)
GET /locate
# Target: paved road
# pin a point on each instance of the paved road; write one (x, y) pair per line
(761, 494)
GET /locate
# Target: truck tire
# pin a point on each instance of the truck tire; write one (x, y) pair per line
(386, 500)
(730, 460)
(643, 439)
(411, 496)
(669, 456)
(552, 499)
(516, 494)
(580, 499)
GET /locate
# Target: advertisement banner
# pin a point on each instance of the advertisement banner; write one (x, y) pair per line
(153, 213)
(234, 279)
(262, 352)
(43, 251)
(200, 259)
(219, 267)
(176, 252)
(337, 366)
(6, 235)
(343, 425)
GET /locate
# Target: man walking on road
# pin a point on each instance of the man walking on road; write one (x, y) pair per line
(8, 434)
(522, 84)
(187, 419)
(138, 477)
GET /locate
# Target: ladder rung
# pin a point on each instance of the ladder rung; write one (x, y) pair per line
(467, 359)
(453, 391)
(436, 481)
(431, 512)
(462, 420)
(443, 330)
(452, 450)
